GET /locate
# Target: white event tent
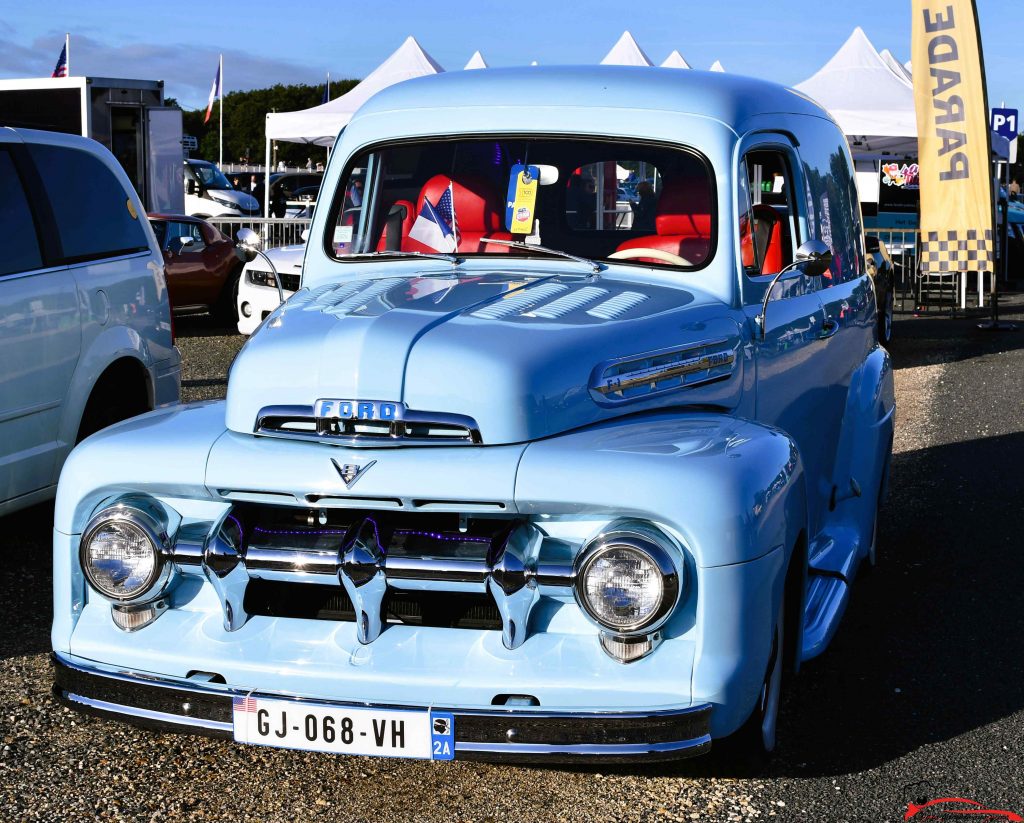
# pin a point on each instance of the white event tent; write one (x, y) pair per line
(476, 61)
(873, 107)
(897, 67)
(320, 125)
(717, 66)
(675, 61)
(626, 52)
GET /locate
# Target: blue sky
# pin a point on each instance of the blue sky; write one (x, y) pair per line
(268, 42)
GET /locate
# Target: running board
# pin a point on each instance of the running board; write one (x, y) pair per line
(827, 596)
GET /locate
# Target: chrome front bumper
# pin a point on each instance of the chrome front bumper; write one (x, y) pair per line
(502, 733)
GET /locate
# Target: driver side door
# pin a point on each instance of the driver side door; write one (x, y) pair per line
(790, 340)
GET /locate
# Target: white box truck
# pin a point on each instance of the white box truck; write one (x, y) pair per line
(127, 116)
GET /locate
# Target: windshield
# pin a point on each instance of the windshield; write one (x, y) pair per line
(596, 199)
(210, 177)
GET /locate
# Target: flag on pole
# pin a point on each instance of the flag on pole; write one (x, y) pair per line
(215, 93)
(61, 69)
(954, 151)
(434, 226)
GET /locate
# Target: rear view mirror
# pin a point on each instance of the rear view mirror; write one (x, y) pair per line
(190, 187)
(548, 175)
(814, 258)
(177, 244)
(304, 235)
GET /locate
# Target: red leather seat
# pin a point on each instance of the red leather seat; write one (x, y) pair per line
(478, 213)
(682, 222)
(767, 234)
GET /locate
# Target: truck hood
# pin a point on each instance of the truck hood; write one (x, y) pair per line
(522, 358)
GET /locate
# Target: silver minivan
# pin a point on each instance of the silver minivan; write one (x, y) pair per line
(85, 324)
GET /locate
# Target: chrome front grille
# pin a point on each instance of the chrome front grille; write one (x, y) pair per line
(415, 429)
(376, 567)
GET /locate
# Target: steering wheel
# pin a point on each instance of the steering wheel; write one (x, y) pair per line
(656, 254)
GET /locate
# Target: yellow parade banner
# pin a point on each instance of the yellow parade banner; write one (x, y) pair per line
(957, 232)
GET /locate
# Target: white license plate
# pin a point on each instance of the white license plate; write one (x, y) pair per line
(293, 724)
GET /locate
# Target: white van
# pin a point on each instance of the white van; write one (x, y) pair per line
(85, 323)
(208, 193)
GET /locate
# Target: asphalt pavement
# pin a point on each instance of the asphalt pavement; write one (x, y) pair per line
(920, 695)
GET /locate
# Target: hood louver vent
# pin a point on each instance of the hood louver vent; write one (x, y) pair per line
(569, 303)
(520, 302)
(618, 305)
(343, 300)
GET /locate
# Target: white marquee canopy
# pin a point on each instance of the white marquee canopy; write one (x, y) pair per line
(626, 52)
(320, 124)
(873, 106)
(476, 61)
(675, 61)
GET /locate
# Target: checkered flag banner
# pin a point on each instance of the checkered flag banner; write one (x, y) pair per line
(943, 252)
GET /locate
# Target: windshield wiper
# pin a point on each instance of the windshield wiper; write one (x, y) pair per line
(594, 266)
(455, 260)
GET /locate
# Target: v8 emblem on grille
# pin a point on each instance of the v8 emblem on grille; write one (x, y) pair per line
(350, 472)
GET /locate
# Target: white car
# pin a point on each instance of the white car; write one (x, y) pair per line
(208, 193)
(257, 289)
(85, 323)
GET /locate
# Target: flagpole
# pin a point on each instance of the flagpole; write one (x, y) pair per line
(221, 91)
(67, 53)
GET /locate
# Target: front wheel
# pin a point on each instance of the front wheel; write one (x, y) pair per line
(885, 318)
(754, 743)
(226, 309)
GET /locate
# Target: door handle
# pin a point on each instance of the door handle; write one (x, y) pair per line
(828, 328)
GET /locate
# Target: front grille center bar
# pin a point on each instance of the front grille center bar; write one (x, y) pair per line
(512, 575)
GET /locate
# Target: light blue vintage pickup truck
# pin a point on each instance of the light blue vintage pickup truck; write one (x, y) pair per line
(571, 442)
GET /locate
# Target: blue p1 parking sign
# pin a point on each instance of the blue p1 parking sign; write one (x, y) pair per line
(1005, 122)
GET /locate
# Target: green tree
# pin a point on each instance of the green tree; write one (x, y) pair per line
(245, 115)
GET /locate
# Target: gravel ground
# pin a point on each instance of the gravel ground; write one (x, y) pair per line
(919, 696)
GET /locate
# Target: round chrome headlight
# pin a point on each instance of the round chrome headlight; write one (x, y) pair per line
(627, 580)
(122, 553)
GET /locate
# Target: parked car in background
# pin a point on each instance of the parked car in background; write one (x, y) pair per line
(208, 193)
(201, 264)
(882, 273)
(292, 186)
(85, 324)
(257, 288)
(494, 486)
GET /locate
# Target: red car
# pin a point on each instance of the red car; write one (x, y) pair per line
(957, 808)
(201, 263)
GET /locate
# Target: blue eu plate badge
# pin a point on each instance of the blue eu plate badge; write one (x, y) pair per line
(442, 736)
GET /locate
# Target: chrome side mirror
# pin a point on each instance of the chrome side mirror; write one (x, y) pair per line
(249, 244)
(814, 258)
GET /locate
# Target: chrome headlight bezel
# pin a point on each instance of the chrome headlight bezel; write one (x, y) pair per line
(653, 545)
(148, 521)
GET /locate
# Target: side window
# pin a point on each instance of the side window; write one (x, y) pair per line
(768, 222)
(177, 230)
(91, 208)
(833, 205)
(21, 245)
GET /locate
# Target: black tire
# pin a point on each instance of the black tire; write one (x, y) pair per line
(226, 310)
(885, 316)
(750, 748)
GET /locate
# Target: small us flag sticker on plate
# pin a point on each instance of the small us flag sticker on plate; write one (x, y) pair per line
(244, 704)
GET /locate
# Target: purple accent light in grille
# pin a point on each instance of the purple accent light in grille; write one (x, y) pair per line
(450, 538)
